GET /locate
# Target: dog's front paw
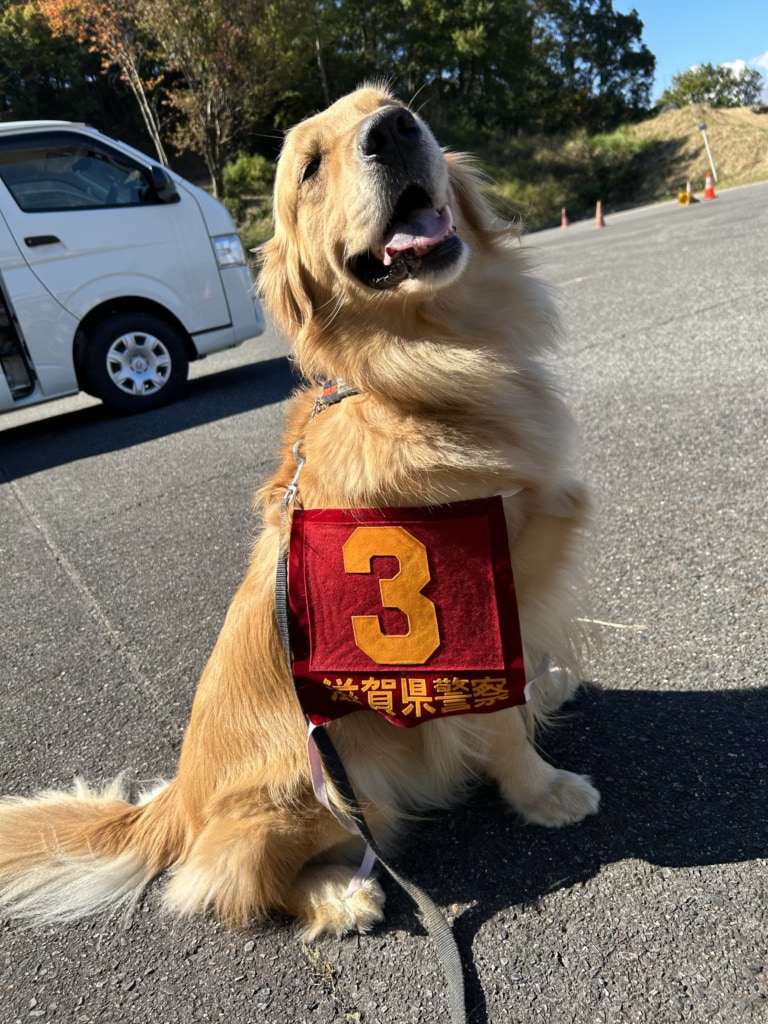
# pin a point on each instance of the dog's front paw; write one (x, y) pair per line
(328, 906)
(567, 798)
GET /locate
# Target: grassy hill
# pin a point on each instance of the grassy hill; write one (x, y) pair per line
(636, 164)
(738, 139)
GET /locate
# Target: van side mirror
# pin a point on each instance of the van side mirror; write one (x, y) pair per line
(163, 184)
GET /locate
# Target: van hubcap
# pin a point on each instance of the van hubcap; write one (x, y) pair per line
(138, 363)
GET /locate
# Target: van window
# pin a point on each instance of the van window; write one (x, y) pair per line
(63, 171)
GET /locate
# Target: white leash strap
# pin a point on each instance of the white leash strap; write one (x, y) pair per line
(321, 793)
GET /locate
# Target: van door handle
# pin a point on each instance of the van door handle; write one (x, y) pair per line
(34, 240)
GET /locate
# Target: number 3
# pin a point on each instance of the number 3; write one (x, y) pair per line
(402, 591)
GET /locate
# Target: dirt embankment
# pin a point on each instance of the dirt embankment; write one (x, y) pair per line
(737, 137)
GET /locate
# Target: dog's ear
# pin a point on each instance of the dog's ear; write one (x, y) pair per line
(467, 181)
(284, 286)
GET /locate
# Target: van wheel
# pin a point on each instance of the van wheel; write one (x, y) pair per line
(134, 361)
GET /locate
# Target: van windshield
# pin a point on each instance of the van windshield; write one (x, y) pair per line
(65, 171)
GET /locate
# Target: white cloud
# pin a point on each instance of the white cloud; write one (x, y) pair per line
(761, 63)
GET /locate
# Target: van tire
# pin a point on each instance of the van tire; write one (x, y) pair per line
(134, 362)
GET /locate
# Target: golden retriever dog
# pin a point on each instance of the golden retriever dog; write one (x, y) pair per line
(387, 271)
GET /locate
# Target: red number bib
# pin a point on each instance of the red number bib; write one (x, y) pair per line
(407, 612)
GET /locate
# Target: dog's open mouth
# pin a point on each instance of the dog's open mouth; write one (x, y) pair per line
(418, 238)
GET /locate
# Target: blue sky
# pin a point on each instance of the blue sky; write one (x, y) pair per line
(681, 34)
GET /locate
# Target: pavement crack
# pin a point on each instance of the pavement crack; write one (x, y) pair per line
(655, 325)
(88, 598)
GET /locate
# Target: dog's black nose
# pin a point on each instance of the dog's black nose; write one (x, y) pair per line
(389, 133)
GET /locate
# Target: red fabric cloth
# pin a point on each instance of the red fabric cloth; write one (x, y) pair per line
(407, 612)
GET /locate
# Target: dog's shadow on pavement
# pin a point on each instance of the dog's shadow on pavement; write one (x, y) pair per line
(683, 782)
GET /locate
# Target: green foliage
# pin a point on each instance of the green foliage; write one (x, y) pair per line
(255, 229)
(616, 145)
(230, 72)
(41, 75)
(534, 204)
(592, 68)
(247, 182)
(718, 86)
(495, 65)
(233, 58)
(534, 178)
(250, 174)
(247, 193)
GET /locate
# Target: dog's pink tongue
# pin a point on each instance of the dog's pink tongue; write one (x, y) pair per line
(423, 230)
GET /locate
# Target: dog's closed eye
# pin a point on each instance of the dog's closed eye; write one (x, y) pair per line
(311, 168)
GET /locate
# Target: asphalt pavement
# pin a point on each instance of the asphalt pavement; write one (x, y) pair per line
(122, 540)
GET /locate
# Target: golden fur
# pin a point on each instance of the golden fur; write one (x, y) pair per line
(454, 402)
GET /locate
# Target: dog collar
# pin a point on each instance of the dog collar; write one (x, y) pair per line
(333, 392)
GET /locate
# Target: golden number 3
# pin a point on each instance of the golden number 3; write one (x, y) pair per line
(402, 591)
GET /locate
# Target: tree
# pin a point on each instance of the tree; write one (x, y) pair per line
(111, 28)
(474, 57)
(591, 68)
(719, 86)
(42, 75)
(465, 62)
(234, 59)
(227, 73)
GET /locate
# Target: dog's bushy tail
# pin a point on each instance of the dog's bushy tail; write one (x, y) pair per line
(64, 855)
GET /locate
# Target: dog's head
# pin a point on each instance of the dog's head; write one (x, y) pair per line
(369, 212)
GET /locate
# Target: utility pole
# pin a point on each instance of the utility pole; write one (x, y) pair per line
(703, 128)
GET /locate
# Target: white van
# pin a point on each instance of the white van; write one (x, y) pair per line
(114, 272)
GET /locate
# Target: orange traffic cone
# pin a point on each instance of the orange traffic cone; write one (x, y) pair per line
(599, 222)
(709, 191)
(563, 218)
